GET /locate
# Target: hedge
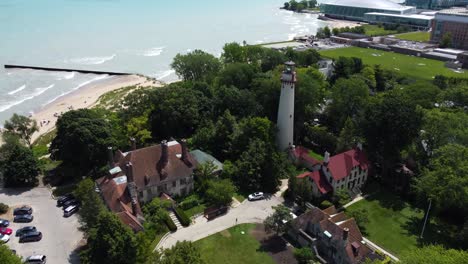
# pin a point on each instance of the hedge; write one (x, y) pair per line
(170, 224)
(3, 208)
(189, 203)
(183, 218)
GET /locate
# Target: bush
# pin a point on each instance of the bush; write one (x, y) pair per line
(170, 224)
(190, 202)
(183, 218)
(3, 208)
(325, 204)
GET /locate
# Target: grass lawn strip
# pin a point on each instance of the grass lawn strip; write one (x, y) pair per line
(422, 36)
(231, 246)
(392, 223)
(416, 67)
(315, 156)
(374, 30)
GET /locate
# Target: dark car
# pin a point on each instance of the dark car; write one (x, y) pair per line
(63, 199)
(23, 218)
(23, 210)
(25, 230)
(30, 237)
(70, 203)
(4, 222)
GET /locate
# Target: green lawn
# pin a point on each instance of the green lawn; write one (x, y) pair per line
(315, 155)
(239, 197)
(195, 210)
(416, 67)
(374, 30)
(231, 246)
(393, 224)
(415, 36)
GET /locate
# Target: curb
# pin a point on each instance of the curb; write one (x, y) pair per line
(163, 239)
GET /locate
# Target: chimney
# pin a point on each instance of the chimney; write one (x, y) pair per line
(110, 157)
(147, 180)
(133, 142)
(185, 154)
(163, 160)
(345, 233)
(359, 146)
(129, 172)
(135, 207)
(326, 158)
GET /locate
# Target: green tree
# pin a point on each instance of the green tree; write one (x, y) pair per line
(91, 204)
(22, 126)
(83, 137)
(368, 74)
(304, 255)
(423, 94)
(445, 181)
(156, 215)
(361, 218)
(267, 90)
(138, 128)
(18, 164)
(446, 41)
(110, 242)
(237, 74)
(349, 136)
(341, 197)
(239, 102)
(277, 221)
(203, 174)
(196, 66)
(457, 95)
(184, 252)
(433, 254)
(318, 138)
(327, 31)
(220, 192)
(8, 257)
(286, 5)
(233, 53)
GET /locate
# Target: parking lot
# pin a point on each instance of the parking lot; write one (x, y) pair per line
(60, 236)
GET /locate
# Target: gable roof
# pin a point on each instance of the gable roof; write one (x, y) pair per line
(341, 165)
(319, 179)
(145, 161)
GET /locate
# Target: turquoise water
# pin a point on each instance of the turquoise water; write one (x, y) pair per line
(140, 36)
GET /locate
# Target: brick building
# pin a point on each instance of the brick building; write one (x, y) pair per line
(453, 21)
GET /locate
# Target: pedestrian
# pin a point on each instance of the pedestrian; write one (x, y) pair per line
(236, 221)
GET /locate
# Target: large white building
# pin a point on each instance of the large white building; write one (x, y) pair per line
(285, 121)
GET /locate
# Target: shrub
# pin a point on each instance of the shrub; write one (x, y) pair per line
(183, 218)
(325, 204)
(170, 224)
(3, 208)
(190, 202)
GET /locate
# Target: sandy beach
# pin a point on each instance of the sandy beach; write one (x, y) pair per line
(85, 97)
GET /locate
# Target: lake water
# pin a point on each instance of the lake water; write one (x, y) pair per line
(138, 36)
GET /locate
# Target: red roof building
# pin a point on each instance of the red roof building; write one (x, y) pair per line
(143, 174)
(347, 170)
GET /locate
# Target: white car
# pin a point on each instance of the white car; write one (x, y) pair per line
(256, 196)
(4, 238)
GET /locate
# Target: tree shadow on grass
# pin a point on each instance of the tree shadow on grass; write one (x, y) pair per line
(388, 200)
(434, 233)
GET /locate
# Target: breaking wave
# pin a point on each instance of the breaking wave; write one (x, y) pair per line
(37, 92)
(91, 60)
(21, 88)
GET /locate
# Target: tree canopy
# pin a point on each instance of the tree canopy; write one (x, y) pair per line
(21, 126)
(18, 164)
(277, 222)
(196, 66)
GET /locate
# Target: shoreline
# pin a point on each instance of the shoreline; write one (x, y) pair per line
(85, 97)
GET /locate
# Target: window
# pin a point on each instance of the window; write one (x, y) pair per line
(183, 181)
(174, 183)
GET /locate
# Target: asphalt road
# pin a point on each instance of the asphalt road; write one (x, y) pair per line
(60, 236)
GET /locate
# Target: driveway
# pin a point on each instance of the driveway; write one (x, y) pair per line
(247, 212)
(60, 236)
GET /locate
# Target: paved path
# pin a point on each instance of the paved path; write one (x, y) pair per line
(246, 212)
(356, 199)
(372, 244)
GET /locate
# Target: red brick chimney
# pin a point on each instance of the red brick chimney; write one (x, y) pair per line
(163, 160)
(129, 172)
(345, 233)
(185, 153)
(110, 157)
(136, 210)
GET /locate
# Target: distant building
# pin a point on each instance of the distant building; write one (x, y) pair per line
(142, 174)
(435, 4)
(348, 170)
(356, 9)
(332, 236)
(463, 58)
(285, 119)
(418, 21)
(453, 21)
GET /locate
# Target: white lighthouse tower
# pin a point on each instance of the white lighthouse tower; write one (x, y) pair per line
(285, 121)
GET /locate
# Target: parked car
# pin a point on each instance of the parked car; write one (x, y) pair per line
(4, 222)
(4, 238)
(30, 236)
(64, 198)
(36, 259)
(23, 210)
(70, 210)
(25, 230)
(23, 218)
(5, 231)
(70, 203)
(256, 196)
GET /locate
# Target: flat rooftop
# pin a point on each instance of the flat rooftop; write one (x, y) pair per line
(459, 11)
(414, 16)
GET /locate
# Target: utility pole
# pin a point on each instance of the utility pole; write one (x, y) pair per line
(425, 220)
